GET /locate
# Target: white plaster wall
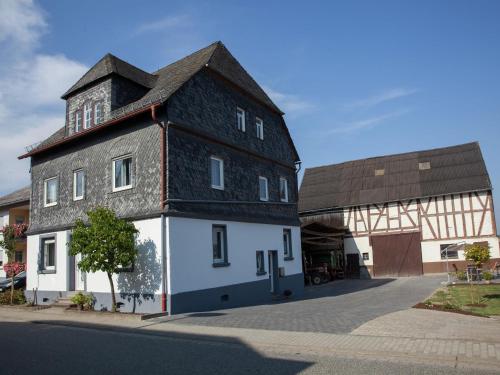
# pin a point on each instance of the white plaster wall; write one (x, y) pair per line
(359, 245)
(4, 220)
(191, 255)
(54, 281)
(431, 251)
(149, 247)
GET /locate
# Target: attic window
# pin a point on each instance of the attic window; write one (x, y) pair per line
(425, 165)
(379, 172)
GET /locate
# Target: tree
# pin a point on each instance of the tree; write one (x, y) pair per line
(477, 253)
(10, 234)
(106, 244)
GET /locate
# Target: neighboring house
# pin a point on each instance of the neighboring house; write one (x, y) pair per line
(15, 209)
(199, 158)
(398, 213)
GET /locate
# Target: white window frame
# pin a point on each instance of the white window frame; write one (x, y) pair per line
(287, 246)
(285, 198)
(75, 173)
(45, 191)
(87, 116)
(259, 125)
(241, 112)
(100, 118)
(113, 177)
(266, 198)
(49, 240)
(221, 173)
(78, 121)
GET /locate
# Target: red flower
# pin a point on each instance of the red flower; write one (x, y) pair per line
(14, 268)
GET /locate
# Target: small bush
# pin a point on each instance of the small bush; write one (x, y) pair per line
(18, 299)
(428, 303)
(487, 276)
(85, 301)
(461, 275)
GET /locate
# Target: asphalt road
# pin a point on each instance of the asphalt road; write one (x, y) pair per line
(33, 348)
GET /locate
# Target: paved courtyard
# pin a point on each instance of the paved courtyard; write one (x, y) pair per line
(338, 307)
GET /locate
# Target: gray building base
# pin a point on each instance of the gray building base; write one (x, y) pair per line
(237, 295)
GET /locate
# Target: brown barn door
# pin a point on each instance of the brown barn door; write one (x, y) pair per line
(397, 255)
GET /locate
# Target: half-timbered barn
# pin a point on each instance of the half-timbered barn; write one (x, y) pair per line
(394, 215)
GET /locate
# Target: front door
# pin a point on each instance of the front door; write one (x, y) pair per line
(79, 275)
(273, 271)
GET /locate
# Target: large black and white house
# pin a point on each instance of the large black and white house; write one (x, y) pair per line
(199, 158)
(399, 215)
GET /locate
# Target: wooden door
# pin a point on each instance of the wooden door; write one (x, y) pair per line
(397, 255)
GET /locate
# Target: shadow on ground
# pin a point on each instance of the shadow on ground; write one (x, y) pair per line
(60, 347)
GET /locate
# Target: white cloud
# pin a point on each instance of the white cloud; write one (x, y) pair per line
(21, 21)
(163, 24)
(31, 84)
(366, 123)
(291, 104)
(380, 98)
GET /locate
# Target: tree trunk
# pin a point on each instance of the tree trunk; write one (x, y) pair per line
(110, 278)
(12, 290)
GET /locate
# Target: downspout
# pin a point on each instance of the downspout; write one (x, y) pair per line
(163, 134)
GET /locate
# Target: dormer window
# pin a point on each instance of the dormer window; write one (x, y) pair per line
(240, 114)
(87, 113)
(425, 165)
(78, 121)
(98, 113)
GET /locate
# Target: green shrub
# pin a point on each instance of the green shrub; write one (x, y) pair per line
(18, 299)
(487, 276)
(85, 301)
(461, 275)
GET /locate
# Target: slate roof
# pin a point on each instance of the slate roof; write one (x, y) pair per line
(18, 196)
(164, 83)
(453, 169)
(110, 64)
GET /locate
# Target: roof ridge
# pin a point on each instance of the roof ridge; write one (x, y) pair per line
(392, 155)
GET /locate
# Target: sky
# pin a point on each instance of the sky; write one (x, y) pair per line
(355, 78)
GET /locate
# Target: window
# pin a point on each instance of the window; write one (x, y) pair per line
(19, 219)
(1, 257)
(18, 256)
(366, 256)
(287, 243)
(50, 191)
(259, 125)
(261, 270)
(78, 121)
(263, 190)
(425, 165)
(283, 189)
(452, 251)
(240, 114)
(87, 112)
(78, 185)
(217, 173)
(122, 173)
(379, 172)
(98, 113)
(219, 243)
(48, 258)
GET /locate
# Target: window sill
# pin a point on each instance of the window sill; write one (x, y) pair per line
(261, 273)
(289, 258)
(222, 264)
(43, 272)
(47, 205)
(123, 188)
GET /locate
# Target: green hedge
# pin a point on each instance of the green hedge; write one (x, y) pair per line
(18, 299)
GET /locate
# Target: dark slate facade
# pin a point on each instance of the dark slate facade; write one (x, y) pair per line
(94, 155)
(201, 122)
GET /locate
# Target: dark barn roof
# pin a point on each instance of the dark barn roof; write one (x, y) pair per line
(164, 83)
(16, 197)
(453, 169)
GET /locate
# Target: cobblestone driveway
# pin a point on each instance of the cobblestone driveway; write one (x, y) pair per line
(337, 307)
